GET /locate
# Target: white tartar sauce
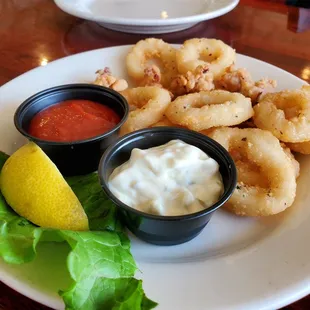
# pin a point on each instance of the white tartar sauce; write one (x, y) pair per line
(172, 179)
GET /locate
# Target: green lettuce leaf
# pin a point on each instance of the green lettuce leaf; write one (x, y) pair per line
(101, 212)
(122, 293)
(100, 263)
(104, 277)
(18, 237)
(3, 158)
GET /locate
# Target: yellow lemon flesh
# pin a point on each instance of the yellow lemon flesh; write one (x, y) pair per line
(33, 186)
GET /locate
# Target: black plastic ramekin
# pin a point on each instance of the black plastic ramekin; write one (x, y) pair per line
(166, 230)
(77, 157)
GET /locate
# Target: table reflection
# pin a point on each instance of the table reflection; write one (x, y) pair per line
(86, 35)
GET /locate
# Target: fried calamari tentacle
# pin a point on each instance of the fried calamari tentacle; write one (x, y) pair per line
(240, 80)
(266, 175)
(148, 105)
(152, 76)
(205, 52)
(105, 78)
(286, 114)
(200, 111)
(191, 82)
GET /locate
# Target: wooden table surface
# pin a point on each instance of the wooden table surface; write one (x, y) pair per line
(34, 32)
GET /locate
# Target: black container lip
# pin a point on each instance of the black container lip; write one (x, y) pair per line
(47, 92)
(128, 138)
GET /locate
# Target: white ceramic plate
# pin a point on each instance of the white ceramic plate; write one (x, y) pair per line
(236, 263)
(147, 16)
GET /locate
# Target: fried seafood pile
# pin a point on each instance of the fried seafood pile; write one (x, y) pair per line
(199, 87)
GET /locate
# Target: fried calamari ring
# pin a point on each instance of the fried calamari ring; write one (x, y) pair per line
(138, 60)
(301, 147)
(247, 124)
(291, 157)
(266, 176)
(164, 122)
(205, 52)
(200, 111)
(286, 114)
(148, 105)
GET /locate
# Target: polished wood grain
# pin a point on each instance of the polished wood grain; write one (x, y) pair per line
(34, 32)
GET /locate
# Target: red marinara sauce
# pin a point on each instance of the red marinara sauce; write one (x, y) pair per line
(73, 120)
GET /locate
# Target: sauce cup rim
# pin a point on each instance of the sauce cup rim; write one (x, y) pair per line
(54, 89)
(128, 138)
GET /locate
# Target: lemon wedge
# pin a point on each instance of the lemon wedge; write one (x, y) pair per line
(33, 186)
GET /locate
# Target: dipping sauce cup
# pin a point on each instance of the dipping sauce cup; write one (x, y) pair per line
(157, 229)
(76, 157)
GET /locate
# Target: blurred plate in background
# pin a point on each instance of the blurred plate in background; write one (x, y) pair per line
(147, 16)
